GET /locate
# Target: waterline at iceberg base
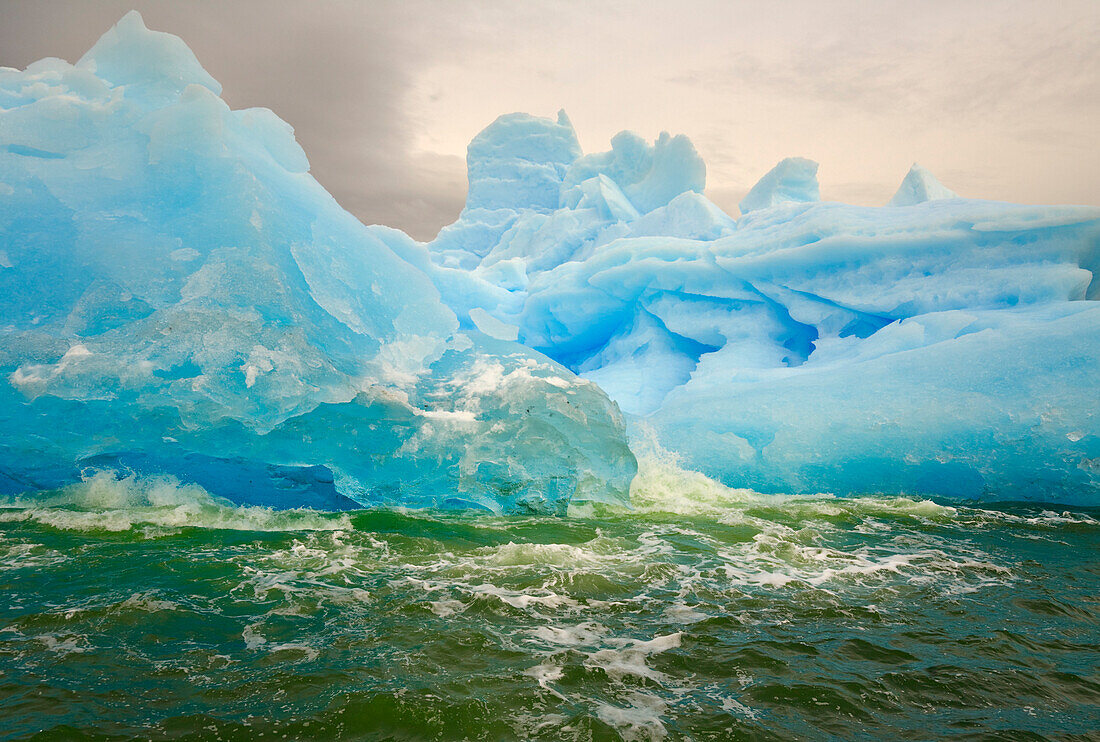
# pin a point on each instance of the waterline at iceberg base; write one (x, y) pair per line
(599, 462)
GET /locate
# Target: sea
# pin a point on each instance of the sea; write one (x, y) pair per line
(142, 609)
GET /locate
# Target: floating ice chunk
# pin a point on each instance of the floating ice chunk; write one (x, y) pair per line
(465, 242)
(492, 326)
(919, 186)
(516, 165)
(511, 212)
(601, 193)
(545, 241)
(628, 161)
(793, 179)
(276, 136)
(690, 215)
(677, 168)
(992, 404)
(642, 363)
(178, 296)
(857, 319)
(508, 273)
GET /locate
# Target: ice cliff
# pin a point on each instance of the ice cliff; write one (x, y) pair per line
(178, 295)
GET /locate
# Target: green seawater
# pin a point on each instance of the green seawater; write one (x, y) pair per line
(146, 610)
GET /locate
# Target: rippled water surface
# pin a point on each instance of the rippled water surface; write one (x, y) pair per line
(145, 610)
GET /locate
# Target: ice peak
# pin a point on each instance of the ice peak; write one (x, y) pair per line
(518, 161)
(160, 63)
(649, 175)
(793, 179)
(919, 186)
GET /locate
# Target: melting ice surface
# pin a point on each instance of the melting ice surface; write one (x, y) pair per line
(179, 297)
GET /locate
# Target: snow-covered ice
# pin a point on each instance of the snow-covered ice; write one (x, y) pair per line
(794, 180)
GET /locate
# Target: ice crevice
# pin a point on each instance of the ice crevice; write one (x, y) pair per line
(179, 297)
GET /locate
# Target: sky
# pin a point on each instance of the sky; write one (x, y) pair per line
(999, 98)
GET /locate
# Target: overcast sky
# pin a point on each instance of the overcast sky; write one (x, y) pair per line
(1000, 99)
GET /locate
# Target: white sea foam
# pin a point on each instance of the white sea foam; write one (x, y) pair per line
(584, 633)
(663, 486)
(27, 555)
(628, 657)
(544, 674)
(638, 721)
(447, 607)
(148, 601)
(64, 644)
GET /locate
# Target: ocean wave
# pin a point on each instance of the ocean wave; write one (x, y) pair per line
(106, 500)
(663, 487)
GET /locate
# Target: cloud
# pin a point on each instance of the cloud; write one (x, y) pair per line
(1007, 94)
(993, 74)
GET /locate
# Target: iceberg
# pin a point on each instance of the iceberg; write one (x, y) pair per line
(179, 296)
(947, 348)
